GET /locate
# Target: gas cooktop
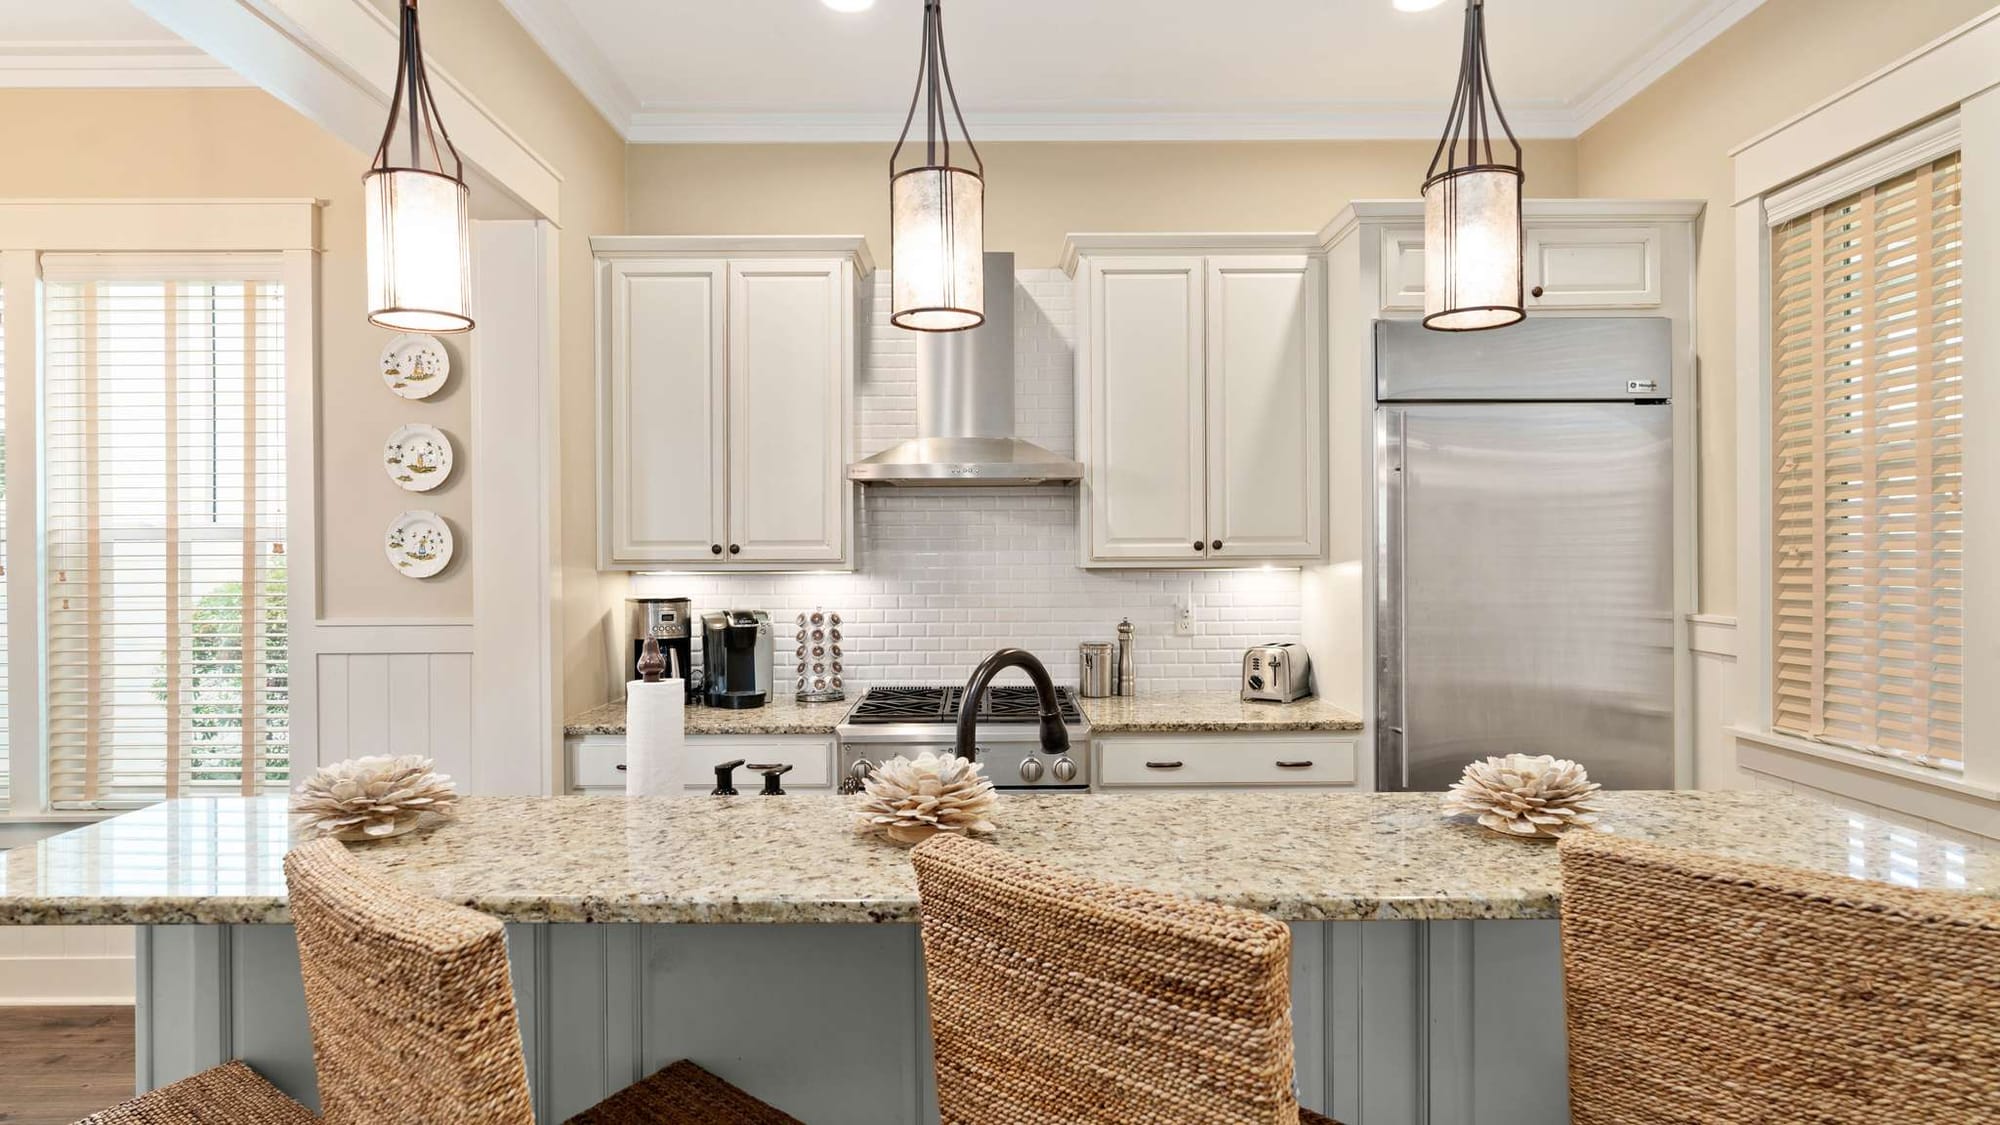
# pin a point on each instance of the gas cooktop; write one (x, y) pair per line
(1004, 703)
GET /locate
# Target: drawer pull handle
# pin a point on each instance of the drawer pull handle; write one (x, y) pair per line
(621, 767)
(1295, 765)
(1163, 765)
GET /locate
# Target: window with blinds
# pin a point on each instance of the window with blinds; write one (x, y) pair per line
(1867, 323)
(164, 528)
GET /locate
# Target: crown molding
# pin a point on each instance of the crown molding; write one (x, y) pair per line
(563, 40)
(1123, 244)
(571, 48)
(111, 64)
(1659, 57)
(1337, 122)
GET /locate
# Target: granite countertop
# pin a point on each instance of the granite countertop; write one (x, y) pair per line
(1190, 712)
(782, 715)
(1295, 856)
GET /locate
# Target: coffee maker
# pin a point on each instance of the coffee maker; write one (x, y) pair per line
(669, 621)
(736, 657)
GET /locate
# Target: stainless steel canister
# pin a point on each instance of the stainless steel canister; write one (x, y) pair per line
(1095, 679)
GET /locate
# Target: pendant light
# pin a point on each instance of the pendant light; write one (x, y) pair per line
(418, 214)
(1472, 204)
(937, 211)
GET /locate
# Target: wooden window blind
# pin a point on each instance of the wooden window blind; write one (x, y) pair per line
(6, 763)
(164, 526)
(1867, 326)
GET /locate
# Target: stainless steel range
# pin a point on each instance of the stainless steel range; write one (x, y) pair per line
(907, 720)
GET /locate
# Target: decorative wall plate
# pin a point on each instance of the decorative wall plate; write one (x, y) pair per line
(415, 365)
(419, 544)
(418, 457)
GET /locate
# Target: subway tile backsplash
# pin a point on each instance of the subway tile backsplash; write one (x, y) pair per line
(947, 575)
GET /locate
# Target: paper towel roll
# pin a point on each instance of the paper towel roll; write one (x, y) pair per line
(655, 737)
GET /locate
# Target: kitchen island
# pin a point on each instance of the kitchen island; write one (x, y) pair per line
(1425, 958)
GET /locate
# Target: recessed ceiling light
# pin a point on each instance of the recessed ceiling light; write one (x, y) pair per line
(1401, 5)
(864, 5)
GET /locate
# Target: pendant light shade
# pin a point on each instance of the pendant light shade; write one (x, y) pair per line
(419, 214)
(937, 211)
(1472, 204)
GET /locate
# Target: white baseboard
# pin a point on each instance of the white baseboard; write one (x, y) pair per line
(73, 981)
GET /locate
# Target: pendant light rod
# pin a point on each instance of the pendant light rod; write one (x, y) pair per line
(425, 122)
(1467, 119)
(935, 91)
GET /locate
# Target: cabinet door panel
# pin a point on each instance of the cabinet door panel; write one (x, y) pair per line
(1403, 268)
(1146, 403)
(1593, 267)
(662, 412)
(790, 369)
(1265, 424)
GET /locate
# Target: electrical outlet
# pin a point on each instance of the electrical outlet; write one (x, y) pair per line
(1184, 618)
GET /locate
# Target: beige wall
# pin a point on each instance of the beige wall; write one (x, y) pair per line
(1037, 193)
(482, 47)
(1674, 140)
(244, 143)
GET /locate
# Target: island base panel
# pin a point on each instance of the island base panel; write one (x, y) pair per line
(1451, 1023)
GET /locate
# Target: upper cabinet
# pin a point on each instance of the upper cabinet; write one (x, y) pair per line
(1573, 259)
(1200, 383)
(725, 387)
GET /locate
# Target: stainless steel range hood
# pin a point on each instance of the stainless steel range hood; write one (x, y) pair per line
(965, 408)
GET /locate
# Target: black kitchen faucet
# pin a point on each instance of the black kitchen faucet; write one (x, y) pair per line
(1055, 737)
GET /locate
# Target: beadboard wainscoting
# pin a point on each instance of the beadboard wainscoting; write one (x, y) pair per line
(944, 576)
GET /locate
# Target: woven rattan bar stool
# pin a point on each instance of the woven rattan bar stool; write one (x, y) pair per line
(1057, 1000)
(1700, 989)
(230, 1094)
(413, 1019)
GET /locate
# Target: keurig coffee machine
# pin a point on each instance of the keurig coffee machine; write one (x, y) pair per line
(736, 657)
(670, 622)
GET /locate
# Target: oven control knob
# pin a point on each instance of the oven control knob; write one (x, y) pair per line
(1064, 769)
(1031, 770)
(858, 773)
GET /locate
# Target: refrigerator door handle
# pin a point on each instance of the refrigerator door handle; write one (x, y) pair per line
(1392, 765)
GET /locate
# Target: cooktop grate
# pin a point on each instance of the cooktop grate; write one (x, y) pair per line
(1004, 703)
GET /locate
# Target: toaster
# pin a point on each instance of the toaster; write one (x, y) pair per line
(1277, 673)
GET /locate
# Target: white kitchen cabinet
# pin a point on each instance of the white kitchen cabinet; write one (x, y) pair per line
(1265, 381)
(1592, 267)
(790, 397)
(596, 761)
(664, 386)
(1301, 760)
(1200, 391)
(726, 372)
(1146, 464)
(1575, 264)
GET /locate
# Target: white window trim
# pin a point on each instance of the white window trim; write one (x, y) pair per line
(30, 229)
(1942, 97)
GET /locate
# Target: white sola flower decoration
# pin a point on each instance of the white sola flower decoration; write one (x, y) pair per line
(372, 798)
(1526, 795)
(909, 800)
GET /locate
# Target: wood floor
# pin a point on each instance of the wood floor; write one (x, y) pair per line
(59, 1064)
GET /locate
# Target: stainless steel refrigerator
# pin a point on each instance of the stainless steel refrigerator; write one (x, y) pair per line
(1524, 536)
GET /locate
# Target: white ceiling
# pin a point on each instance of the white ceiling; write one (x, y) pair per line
(74, 43)
(782, 70)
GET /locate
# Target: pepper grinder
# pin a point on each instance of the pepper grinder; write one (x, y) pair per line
(1122, 672)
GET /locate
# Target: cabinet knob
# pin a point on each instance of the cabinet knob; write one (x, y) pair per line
(715, 548)
(1535, 292)
(1217, 544)
(1198, 545)
(735, 550)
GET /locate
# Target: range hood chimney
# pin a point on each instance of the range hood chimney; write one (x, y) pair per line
(965, 407)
